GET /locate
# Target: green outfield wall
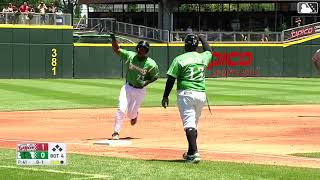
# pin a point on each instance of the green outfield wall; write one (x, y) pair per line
(49, 52)
(99, 61)
(291, 59)
(36, 51)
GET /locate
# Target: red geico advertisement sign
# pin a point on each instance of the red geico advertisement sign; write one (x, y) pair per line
(302, 32)
(225, 64)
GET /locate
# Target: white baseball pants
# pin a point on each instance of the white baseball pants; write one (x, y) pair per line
(190, 104)
(130, 99)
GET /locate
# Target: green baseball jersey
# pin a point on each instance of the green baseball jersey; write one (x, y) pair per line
(189, 70)
(139, 71)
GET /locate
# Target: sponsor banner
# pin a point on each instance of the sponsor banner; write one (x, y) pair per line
(302, 31)
(226, 64)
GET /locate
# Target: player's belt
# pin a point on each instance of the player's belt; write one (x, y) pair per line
(134, 86)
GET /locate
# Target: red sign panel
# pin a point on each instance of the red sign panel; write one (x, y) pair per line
(230, 60)
(302, 32)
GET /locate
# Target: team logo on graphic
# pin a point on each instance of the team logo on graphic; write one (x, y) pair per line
(307, 7)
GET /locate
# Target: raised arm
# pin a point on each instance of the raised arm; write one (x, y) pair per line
(115, 45)
(204, 42)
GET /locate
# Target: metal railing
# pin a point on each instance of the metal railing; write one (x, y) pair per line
(104, 25)
(213, 36)
(143, 31)
(94, 24)
(32, 18)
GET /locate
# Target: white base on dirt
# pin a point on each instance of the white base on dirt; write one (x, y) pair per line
(109, 142)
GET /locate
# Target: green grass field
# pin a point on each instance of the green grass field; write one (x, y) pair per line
(80, 93)
(310, 155)
(94, 167)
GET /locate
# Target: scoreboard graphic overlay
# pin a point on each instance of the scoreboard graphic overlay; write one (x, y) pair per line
(41, 154)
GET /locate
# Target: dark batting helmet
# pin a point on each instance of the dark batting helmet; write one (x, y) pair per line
(143, 44)
(191, 42)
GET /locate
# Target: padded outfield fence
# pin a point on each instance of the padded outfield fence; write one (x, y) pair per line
(229, 60)
(49, 52)
(36, 51)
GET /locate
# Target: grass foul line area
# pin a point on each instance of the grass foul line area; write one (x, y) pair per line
(89, 176)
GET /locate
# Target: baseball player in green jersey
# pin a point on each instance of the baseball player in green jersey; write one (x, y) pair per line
(189, 70)
(141, 71)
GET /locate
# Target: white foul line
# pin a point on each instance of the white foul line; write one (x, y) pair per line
(91, 176)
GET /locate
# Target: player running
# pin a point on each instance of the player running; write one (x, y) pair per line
(189, 70)
(141, 71)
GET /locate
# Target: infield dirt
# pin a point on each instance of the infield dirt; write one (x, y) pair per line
(251, 134)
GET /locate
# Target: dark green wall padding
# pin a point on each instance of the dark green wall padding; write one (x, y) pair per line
(27, 52)
(267, 61)
(102, 62)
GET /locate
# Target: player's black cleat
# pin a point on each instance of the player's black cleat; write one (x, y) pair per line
(115, 136)
(191, 158)
(133, 121)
